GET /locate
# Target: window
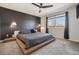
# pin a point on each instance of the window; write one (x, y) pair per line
(51, 22)
(57, 21)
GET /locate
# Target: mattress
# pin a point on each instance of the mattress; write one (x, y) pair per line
(33, 39)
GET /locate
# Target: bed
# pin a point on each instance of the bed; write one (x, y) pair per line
(33, 41)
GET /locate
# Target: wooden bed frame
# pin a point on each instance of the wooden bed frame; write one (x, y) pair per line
(8, 40)
(30, 50)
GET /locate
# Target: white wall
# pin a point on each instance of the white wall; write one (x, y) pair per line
(43, 24)
(73, 24)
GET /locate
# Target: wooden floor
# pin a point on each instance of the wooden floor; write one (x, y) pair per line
(58, 47)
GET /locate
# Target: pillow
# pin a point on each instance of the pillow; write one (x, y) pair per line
(25, 31)
(33, 31)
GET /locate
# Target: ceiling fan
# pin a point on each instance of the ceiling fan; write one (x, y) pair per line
(41, 6)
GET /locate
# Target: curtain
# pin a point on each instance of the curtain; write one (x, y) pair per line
(66, 30)
(46, 24)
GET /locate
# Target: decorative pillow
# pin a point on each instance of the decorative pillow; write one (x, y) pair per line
(25, 31)
(33, 31)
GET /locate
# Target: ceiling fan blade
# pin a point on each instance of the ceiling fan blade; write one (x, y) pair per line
(47, 6)
(36, 5)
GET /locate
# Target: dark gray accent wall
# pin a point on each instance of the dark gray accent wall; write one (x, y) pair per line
(0, 25)
(24, 21)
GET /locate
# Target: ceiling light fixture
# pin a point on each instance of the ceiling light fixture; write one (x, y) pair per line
(40, 6)
(40, 10)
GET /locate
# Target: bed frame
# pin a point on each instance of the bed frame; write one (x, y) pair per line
(30, 50)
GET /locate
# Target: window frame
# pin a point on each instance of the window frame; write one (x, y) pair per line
(54, 17)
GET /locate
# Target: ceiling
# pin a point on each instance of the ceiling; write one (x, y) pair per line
(33, 10)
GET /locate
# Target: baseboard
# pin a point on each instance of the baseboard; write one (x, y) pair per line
(74, 40)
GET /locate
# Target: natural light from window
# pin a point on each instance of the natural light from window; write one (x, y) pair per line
(58, 21)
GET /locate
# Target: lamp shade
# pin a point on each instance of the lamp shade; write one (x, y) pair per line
(13, 24)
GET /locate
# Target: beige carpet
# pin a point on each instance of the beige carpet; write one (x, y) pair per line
(10, 48)
(58, 47)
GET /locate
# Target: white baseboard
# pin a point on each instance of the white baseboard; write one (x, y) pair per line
(74, 40)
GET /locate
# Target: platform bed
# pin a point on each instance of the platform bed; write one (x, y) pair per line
(32, 49)
(32, 41)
